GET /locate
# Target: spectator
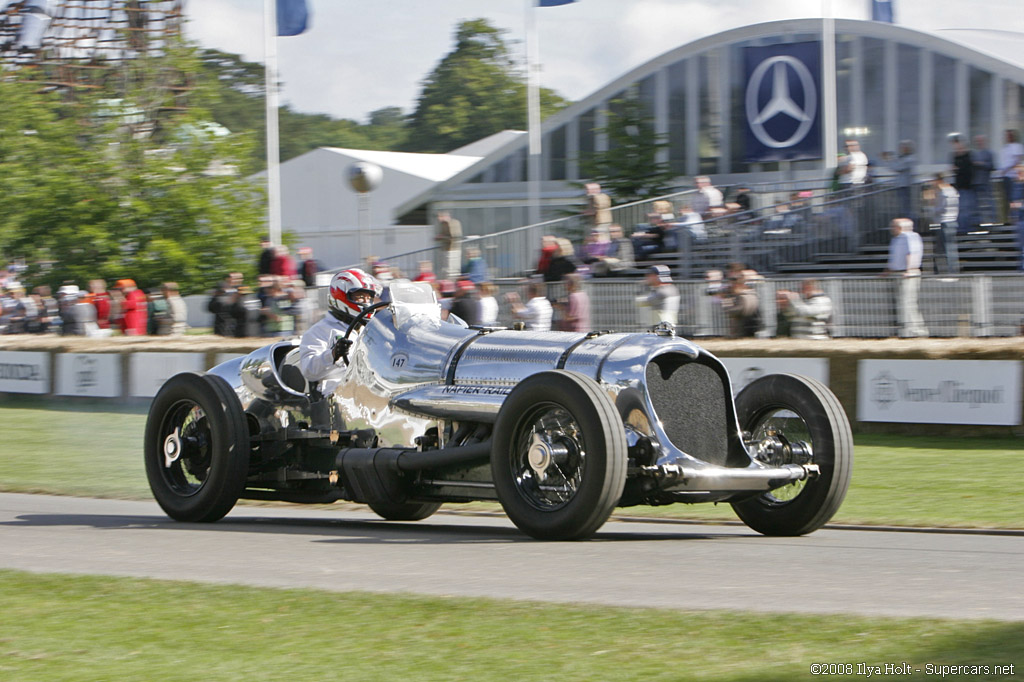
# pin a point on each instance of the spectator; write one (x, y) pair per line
(708, 201)
(548, 250)
(446, 294)
(595, 246)
(662, 297)
(245, 311)
(100, 299)
(1010, 156)
(301, 307)
(1016, 206)
(905, 252)
(598, 210)
(134, 309)
(562, 262)
(283, 264)
(49, 311)
(619, 256)
(537, 312)
(982, 165)
(943, 208)
(78, 317)
(742, 307)
(853, 168)
(449, 236)
(159, 319)
(476, 267)
(222, 304)
(692, 225)
(575, 309)
(651, 239)
(741, 201)
(807, 314)
(488, 305)
(277, 315)
(267, 254)
(308, 266)
(903, 165)
(176, 309)
(426, 272)
(963, 178)
(466, 304)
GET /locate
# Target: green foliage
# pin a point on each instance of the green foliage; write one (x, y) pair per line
(475, 91)
(236, 101)
(91, 188)
(629, 170)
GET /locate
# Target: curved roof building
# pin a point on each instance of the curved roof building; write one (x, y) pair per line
(752, 104)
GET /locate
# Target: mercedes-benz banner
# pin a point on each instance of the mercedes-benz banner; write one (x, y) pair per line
(782, 102)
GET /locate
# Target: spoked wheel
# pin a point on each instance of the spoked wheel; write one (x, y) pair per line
(196, 447)
(559, 456)
(404, 511)
(795, 420)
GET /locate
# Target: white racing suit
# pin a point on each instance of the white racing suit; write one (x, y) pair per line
(316, 353)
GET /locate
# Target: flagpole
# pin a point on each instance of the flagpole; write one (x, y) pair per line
(273, 142)
(533, 114)
(829, 104)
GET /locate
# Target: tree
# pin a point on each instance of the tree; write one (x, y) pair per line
(476, 90)
(84, 194)
(629, 170)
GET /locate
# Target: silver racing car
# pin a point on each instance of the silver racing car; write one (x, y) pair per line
(559, 427)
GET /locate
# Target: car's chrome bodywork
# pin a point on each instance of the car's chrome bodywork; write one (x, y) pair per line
(410, 372)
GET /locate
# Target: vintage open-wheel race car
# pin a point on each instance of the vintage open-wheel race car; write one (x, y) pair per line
(559, 427)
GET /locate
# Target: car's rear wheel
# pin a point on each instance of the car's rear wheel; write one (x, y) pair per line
(196, 447)
(559, 456)
(404, 511)
(796, 420)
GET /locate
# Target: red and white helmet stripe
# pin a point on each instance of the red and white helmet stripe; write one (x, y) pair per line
(345, 284)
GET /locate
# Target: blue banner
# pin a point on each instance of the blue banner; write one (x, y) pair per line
(782, 102)
(292, 17)
(553, 3)
(882, 10)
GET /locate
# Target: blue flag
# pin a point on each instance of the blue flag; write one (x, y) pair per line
(292, 17)
(553, 3)
(881, 10)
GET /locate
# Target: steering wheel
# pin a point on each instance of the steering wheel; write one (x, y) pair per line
(361, 319)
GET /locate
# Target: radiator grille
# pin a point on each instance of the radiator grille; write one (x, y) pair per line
(689, 400)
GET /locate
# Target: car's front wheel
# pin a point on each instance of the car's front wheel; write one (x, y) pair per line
(196, 447)
(559, 456)
(795, 420)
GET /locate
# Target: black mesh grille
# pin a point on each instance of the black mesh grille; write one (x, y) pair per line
(690, 402)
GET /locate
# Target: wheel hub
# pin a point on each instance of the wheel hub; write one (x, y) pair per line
(172, 448)
(543, 453)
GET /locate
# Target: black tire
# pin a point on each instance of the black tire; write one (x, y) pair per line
(199, 417)
(802, 410)
(404, 511)
(581, 445)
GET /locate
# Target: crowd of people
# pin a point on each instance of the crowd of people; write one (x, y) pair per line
(95, 311)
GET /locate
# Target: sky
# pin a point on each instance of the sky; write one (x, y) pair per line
(362, 55)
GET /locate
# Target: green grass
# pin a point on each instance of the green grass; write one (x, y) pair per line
(79, 449)
(85, 629)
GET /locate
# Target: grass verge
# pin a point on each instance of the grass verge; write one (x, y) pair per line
(91, 628)
(77, 449)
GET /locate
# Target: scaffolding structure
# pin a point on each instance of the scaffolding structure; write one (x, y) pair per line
(73, 45)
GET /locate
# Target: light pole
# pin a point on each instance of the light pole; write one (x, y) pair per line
(364, 177)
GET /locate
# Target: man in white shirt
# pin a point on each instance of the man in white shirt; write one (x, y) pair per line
(905, 252)
(854, 171)
(537, 312)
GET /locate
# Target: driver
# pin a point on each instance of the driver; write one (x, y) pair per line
(325, 343)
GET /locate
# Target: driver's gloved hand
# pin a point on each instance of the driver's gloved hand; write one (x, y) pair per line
(340, 349)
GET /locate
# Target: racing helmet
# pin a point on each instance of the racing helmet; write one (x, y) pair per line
(346, 286)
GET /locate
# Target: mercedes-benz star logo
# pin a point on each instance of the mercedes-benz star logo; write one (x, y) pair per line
(781, 102)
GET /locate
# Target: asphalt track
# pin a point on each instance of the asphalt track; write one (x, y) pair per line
(651, 564)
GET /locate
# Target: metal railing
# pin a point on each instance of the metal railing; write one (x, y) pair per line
(863, 307)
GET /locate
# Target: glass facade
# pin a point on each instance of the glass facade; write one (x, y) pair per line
(886, 91)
